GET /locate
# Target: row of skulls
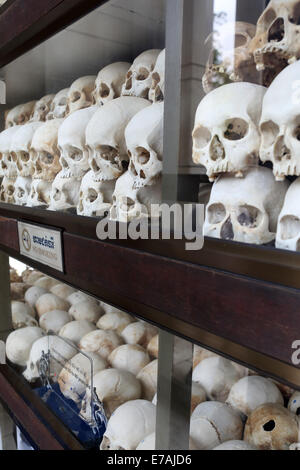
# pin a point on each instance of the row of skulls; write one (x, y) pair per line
(238, 127)
(81, 161)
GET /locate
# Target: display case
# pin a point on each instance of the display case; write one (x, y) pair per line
(147, 124)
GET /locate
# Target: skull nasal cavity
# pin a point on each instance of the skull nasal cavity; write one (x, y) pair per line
(276, 31)
(104, 90)
(217, 150)
(227, 230)
(269, 426)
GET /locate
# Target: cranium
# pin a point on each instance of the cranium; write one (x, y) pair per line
(271, 427)
(157, 90)
(74, 156)
(22, 315)
(21, 148)
(288, 229)
(280, 124)
(230, 59)
(62, 290)
(138, 78)
(131, 203)
(40, 193)
(131, 357)
(58, 107)
(19, 342)
(109, 81)
(86, 310)
(22, 190)
(139, 333)
(42, 108)
(245, 209)
(33, 294)
(7, 190)
(79, 296)
(19, 114)
(226, 134)
(114, 321)
(45, 153)
(130, 423)
(31, 275)
(105, 136)
(8, 158)
(54, 320)
(45, 281)
(95, 197)
(47, 302)
(64, 193)
(100, 341)
(75, 330)
(144, 140)
(81, 94)
(148, 378)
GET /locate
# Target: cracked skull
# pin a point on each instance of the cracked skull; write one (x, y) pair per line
(109, 81)
(42, 108)
(138, 78)
(64, 193)
(105, 136)
(95, 198)
(157, 90)
(19, 114)
(226, 134)
(45, 153)
(81, 94)
(58, 107)
(245, 209)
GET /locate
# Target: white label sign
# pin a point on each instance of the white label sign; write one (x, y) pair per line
(41, 244)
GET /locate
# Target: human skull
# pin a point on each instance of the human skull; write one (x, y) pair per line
(252, 391)
(7, 190)
(40, 193)
(62, 290)
(131, 203)
(213, 423)
(58, 107)
(294, 403)
(114, 321)
(47, 302)
(80, 94)
(271, 427)
(46, 282)
(79, 296)
(138, 78)
(105, 136)
(245, 209)
(226, 133)
(64, 192)
(54, 320)
(45, 153)
(131, 357)
(280, 124)
(235, 445)
(29, 276)
(58, 349)
(288, 229)
(276, 42)
(100, 341)
(19, 114)
(230, 59)
(148, 378)
(75, 330)
(113, 388)
(157, 90)
(74, 156)
(144, 140)
(216, 375)
(22, 190)
(95, 197)
(75, 377)
(86, 310)
(138, 333)
(19, 342)
(129, 424)
(200, 354)
(8, 158)
(21, 148)
(42, 108)
(109, 81)
(22, 315)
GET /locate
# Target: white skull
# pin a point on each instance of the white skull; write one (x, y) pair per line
(40, 193)
(81, 94)
(148, 378)
(86, 310)
(213, 423)
(7, 190)
(22, 190)
(79, 296)
(46, 282)
(245, 209)
(230, 59)
(75, 377)
(54, 320)
(47, 302)
(45, 153)
(114, 321)
(109, 81)
(280, 124)
(77, 329)
(64, 193)
(277, 42)
(62, 290)
(105, 136)
(144, 140)
(58, 106)
(226, 134)
(19, 115)
(42, 108)
(252, 391)
(131, 203)
(100, 341)
(19, 342)
(288, 229)
(130, 423)
(113, 387)
(294, 403)
(58, 349)
(131, 357)
(139, 332)
(157, 90)
(138, 78)
(74, 156)
(22, 315)
(8, 159)
(21, 147)
(95, 197)
(33, 294)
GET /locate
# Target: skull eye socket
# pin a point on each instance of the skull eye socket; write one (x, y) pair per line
(289, 227)
(296, 132)
(240, 40)
(104, 90)
(295, 17)
(143, 155)
(249, 216)
(108, 153)
(216, 213)
(276, 31)
(21, 192)
(269, 131)
(236, 129)
(202, 137)
(92, 195)
(47, 158)
(10, 190)
(269, 426)
(57, 195)
(75, 154)
(75, 96)
(143, 74)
